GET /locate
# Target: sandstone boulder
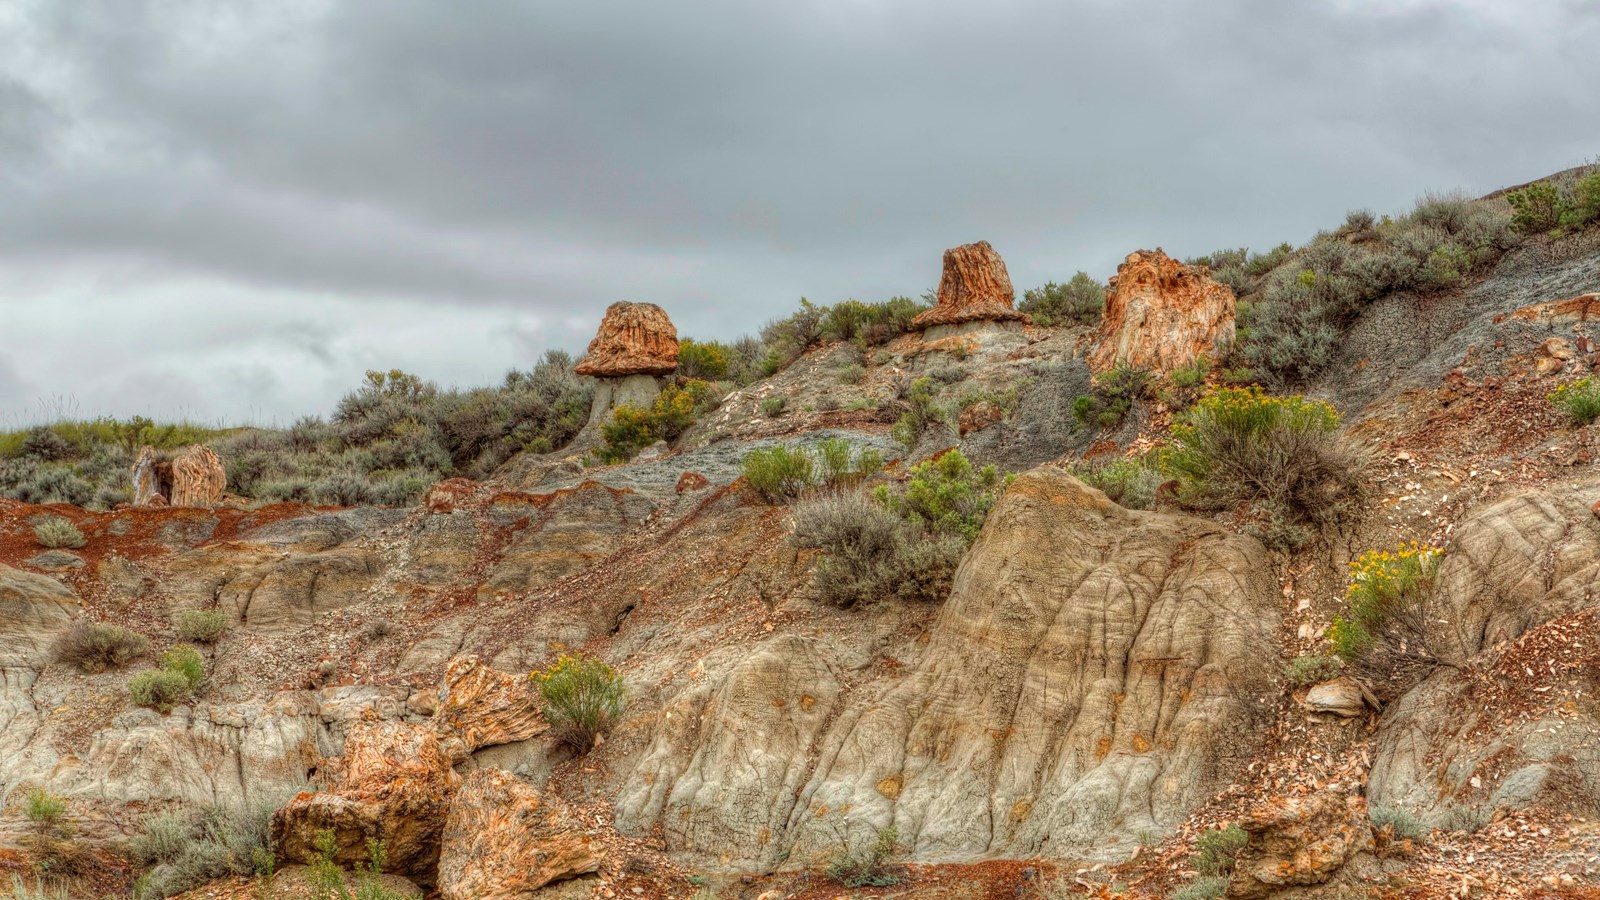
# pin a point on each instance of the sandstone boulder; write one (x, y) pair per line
(1299, 841)
(1343, 697)
(1161, 315)
(974, 288)
(194, 477)
(393, 784)
(504, 840)
(634, 339)
(480, 707)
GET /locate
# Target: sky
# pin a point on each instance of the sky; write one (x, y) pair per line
(228, 211)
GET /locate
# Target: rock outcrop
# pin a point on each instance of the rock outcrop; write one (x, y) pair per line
(504, 840)
(194, 477)
(34, 610)
(973, 288)
(635, 345)
(393, 784)
(1512, 723)
(1299, 841)
(1162, 315)
(1096, 672)
(480, 707)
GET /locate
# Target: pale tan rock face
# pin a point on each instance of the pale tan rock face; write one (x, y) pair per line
(504, 840)
(480, 707)
(1161, 315)
(634, 339)
(194, 477)
(1516, 612)
(1299, 841)
(34, 610)
(393, 784)
(974, 288)
(1096, 672)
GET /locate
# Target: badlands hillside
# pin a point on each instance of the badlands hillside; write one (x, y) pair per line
(1252, 575)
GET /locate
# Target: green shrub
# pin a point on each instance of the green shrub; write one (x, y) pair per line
(181, 674)
(707, 361)
(1535, 208)
(44, 809)
(583, 696)
(1580, 400)
(1128, 482)
(160, 689)
(1308, 669)
(866, 866)
(40, 889)
(871, 554)
(923, 410)
(631, 429)
(1279, 455)
(1289, 328)
(946, 495)
(1584, 206)
(328, 880)
(188, 662)
(851, 374)
(1206, 887)
(779, 473)
(1186, 384)
(1401, 824)
(202, 625)
(1216, 848)
(50, 833)
(1112, 397)
(772, 407)
(56, 532)
(782, 473)
(1078, 302)
(1384, 631)
(98, 646)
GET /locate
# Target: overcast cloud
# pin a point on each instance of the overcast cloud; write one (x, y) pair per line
(229, 210)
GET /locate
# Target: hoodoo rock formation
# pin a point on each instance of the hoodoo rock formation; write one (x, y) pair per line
(974, 288)
(1162, 315)
(194, 477)
(635, 345)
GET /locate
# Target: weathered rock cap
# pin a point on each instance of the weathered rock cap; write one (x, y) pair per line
(1162, 315)
(974, 288)
(634, 339)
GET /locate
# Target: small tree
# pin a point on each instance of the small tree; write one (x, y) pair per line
(583, 696)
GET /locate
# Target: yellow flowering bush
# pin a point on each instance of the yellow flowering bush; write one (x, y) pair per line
(1580, 400)
(1280, 456)
(1385, 620)
(632, 428)
(582, 697)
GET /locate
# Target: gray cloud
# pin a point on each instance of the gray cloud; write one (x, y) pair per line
(380, 179)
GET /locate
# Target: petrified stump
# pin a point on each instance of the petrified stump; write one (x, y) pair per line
(504, 840)
(194, 477)
(393, 784)
(1162, 315)
(1299, 841)
(974, 288)
(634, 339)
(636, 344)
(481, 707)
